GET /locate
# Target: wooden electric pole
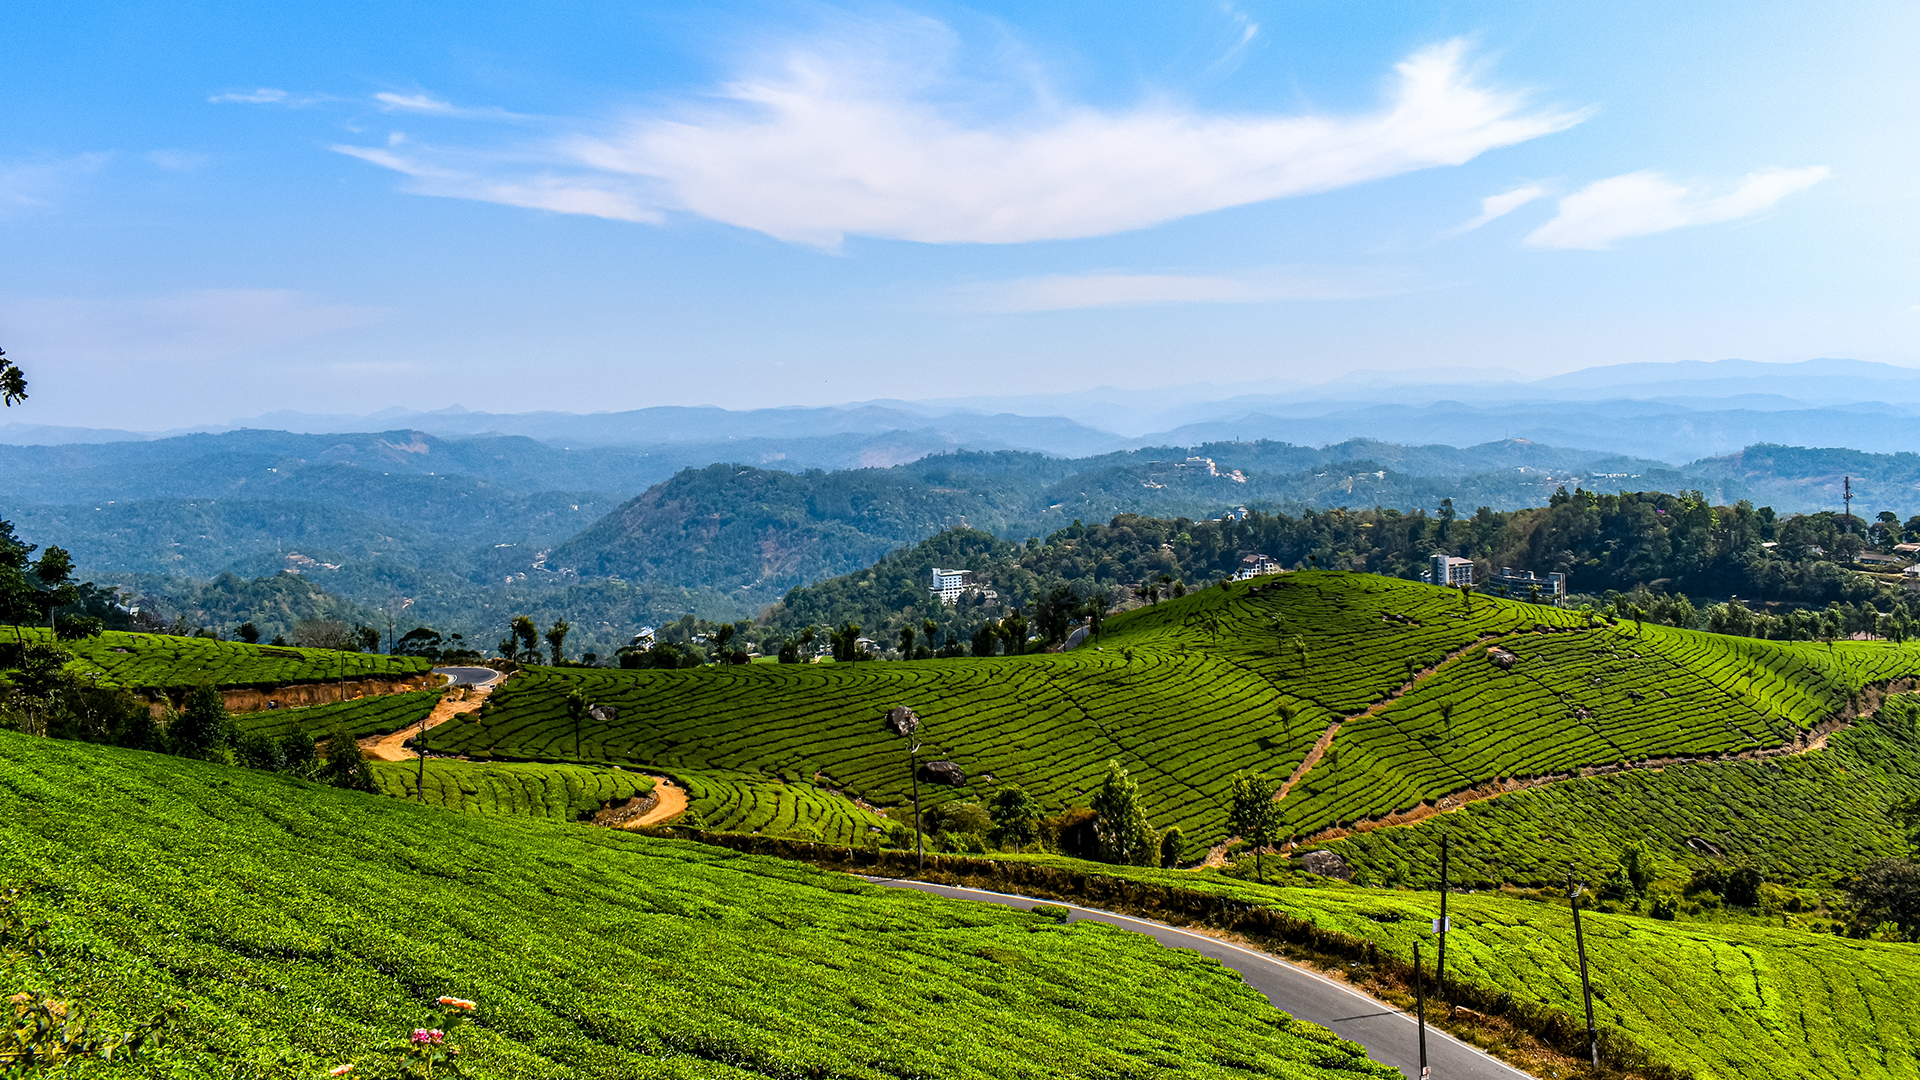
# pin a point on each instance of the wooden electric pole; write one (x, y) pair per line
(1586, 987)
(1441, 926)
(1846, 497)
(913, 762)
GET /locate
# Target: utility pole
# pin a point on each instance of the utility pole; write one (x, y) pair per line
(420, 785)
(1586, 987)
(1441, 925)
(1420, 1009)
(913, 762)
(1846, 497)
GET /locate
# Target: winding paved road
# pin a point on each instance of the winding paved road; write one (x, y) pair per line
(1390, 1036)
(467, 676)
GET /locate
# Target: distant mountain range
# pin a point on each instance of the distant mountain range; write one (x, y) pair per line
(1675, 413)
(472, 530)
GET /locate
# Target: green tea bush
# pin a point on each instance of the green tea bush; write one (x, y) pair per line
(301, 928)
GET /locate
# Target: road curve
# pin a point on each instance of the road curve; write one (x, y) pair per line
(1390, 1036)
(467, 676)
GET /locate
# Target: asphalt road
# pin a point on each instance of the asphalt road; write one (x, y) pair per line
(468, 676)
(1390, 1036)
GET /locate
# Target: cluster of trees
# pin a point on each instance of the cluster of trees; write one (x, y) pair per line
(43, 698)
(1770, 575)
(1113, 828)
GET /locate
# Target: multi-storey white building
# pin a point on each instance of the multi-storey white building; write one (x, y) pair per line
(1450, 570)
(949, 585)
(1256, 566)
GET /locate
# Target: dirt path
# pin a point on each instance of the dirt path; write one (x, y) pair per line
(1325, 742)
(672, 800)
(394, 747)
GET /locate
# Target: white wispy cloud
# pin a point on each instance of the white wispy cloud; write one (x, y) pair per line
(828, 145)
(431, 172)
(1643, 203)
(1496, 206)
(1064, 292)
(268, 95)
(36, 185)
(429, 105)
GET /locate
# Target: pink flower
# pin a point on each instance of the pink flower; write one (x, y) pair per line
(340, 1070)
(420, 1035)
(437, 1036)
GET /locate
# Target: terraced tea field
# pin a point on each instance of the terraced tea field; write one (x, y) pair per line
(1804, 819)
(753, 803)
(373, 715)
(558, 792)
(164, 661)
(1249, 676)
(304, 928)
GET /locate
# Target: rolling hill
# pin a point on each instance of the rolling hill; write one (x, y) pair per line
(296, 928)
(1378, 696)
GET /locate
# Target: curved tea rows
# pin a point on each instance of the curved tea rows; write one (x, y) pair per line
(754, 803)
(374, 715)
(1189, 691)
(561, 792)
(164, 661)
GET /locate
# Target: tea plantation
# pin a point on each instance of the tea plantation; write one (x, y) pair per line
(1247, 676)
(132, 660)
(303, 928)
(754, 803)
(1717, 1000)
(375, 715)
(1803, 820)
(559, 792)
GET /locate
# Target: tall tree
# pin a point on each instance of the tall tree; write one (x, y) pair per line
(1252, 813)
(557, 640)
(203, 729)
(1121, 830)
(16, 589)
(527, 636)
(1016, 816)
(13, 381)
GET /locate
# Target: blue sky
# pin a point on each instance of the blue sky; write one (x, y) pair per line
(211, 211)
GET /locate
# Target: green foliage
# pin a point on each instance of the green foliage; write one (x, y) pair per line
(1804, 818)
(304, 927)
(1888, 893)
(375, 714)
(164, 661)
(1173, 844)
(1121, 830)
(560, 792)
(202, 730)
(1016, 816)
(730, 801)
(1194, 689)
(1252, 813)
(345, 766)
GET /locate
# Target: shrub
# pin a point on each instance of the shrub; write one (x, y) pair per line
(346, 767)
(203, 729)
(1173, 844)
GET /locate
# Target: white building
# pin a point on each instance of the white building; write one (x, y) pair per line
(1256, 566)
(1521, 583)
(1449, 570)
(949, 585)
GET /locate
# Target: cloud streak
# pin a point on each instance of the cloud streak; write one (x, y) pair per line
(268, 95)
(1643, 203)
(826, 147)
(1498, 206)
